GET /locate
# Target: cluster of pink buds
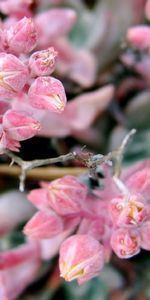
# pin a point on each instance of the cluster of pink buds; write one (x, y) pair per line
(104, 220)
(25, 78)
(130, 215)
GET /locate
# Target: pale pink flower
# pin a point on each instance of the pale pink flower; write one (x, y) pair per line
(13, 75)
(44, 225)
(16, 126)
(81, 258)
(42, 62)
(128, 210)
(19, 125)
(39, 198)
(67, 195)
(125, 242)
(21, 37)
(47, 93)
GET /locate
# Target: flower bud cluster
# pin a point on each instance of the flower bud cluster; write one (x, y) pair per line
(25, 74)
(102, 221)
(130, 216)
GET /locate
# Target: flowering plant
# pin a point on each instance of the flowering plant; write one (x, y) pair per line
(74, 74)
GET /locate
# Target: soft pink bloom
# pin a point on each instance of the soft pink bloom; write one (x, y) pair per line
(125, 242)
(13, 75)
(128, 210)
(47, 93)
(66, 195)
(19, 126)
(81, 258)
(21, 37)
(16, 126)
(39, 198)
(44, 225)
(42, 62)
(19, 267)
(139, 36)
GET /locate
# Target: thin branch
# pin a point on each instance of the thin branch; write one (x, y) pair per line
(28, 165)
(89, 160)
(120, 153)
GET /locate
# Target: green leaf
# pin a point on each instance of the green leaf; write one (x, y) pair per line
(94, 289)
(139, 147)
(138, 111)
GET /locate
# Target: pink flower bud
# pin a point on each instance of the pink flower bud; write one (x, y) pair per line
(128, 210)
(39, 198)
(125, 242)
(47, 93)
(42, 62)
(22, 36)
(13, 75)
(66, 195)
(44, 226)
(6, 143)
(139, 36)
(81, 258)
(19, 126)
